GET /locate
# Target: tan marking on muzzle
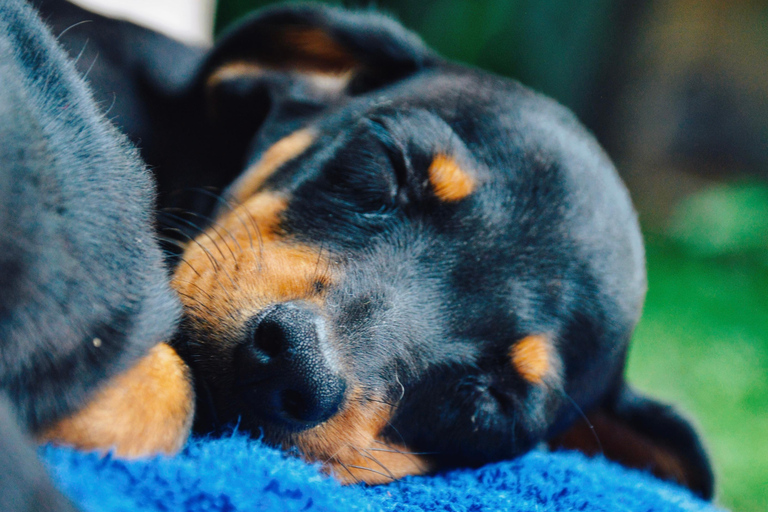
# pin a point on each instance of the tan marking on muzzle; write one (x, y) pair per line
(280, 153)
(533, 357)
(449, 180)
(143, 411)
(351, 448)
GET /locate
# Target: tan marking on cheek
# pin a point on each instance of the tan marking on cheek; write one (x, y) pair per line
(276, 156)
(350, 446)
(245, 264)
(314, 49)
(449, 181)
(143, 411)
(532, 357)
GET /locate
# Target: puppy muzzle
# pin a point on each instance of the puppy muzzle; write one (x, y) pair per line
(285, 370)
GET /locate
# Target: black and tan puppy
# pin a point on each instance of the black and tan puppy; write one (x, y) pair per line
(417, 265)
(85, 296)
(421, 265)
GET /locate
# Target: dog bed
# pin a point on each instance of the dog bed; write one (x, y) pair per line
(235, 473)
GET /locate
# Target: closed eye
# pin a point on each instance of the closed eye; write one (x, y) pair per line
(368, 176)
(399, 163)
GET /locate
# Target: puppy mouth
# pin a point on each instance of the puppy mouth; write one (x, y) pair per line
(347, 439)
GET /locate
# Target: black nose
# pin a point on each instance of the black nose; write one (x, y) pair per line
(286, 370)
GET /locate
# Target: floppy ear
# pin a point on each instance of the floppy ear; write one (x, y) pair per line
(302, 58)
(642, 433)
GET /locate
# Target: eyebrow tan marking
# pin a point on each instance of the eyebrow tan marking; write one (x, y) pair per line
(449, 180)
(532, 358)
(280, 153)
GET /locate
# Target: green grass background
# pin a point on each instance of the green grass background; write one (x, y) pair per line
(702, 342)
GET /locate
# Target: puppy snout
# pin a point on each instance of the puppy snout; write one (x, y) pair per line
(286, 370)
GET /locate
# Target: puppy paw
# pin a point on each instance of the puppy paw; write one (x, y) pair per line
(143, 411)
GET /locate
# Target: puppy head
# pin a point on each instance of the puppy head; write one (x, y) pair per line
(421, 265)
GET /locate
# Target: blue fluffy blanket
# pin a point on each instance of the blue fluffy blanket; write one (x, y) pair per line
(238, 474)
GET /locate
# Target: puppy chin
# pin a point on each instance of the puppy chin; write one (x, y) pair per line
(144, 411)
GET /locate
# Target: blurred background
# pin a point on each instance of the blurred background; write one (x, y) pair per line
(677, 92)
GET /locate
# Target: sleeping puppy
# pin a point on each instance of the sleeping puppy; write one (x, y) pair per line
(420, 265)
(416, 265)
(85, 297)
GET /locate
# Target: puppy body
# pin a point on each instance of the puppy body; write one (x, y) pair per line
(84, 291)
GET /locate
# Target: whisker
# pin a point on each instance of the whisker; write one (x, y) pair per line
(210, 297)
(402, 388)
(371, 470)
(316, 272)
(228, 204)
(85, 45)
(197, 304)
(191, 239)
(71, 27)
(584, 417)
(183, 260)
(379, 401)
(172, 241)
(214, 224)
(402, 440)
(90, 68)
(357, 480)
(259, 236)
(367, 455)
(204, 233)
(211, 259)
(395, 450)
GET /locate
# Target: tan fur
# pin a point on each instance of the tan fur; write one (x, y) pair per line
(283, 151)
(242, 264)
(232, 70)
(314, 49)
(449, 181)
(350, 446)
(533, 357)
(143, 411)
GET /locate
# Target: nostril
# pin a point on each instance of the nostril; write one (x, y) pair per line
(309, 405)
(294, 405)
(270, 337)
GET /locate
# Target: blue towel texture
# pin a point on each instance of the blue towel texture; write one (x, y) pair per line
(240, 474)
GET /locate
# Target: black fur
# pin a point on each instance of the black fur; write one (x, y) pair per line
(78, 258)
